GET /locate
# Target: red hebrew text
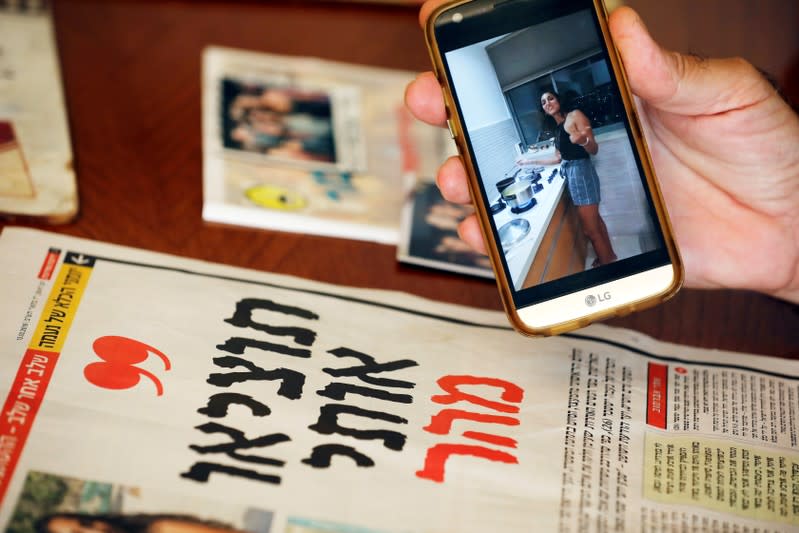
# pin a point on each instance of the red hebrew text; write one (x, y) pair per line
(442, 422)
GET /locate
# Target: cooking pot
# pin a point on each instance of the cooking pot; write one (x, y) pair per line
(505, 182)
(531, 174)
(518, 194)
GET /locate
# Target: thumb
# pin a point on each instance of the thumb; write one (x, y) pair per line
(678, 83)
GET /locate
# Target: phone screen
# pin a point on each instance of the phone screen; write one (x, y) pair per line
(528, 77)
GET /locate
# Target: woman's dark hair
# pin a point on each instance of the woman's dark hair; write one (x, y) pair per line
(567, 103)
(133, 523)
(550, 90)
(548, 124)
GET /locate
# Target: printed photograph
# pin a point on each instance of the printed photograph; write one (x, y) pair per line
(278, 121)
(50, 503)
(430, 235)
(547, 128)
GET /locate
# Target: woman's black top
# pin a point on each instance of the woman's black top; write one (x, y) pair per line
(568, 151)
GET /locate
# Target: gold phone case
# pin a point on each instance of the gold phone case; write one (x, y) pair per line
(457, 128)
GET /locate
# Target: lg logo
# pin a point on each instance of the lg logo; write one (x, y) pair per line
(592, 300)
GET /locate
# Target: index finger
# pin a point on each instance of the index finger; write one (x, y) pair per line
(423, 96)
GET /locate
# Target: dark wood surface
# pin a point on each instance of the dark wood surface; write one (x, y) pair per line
(131, 73)
(763, 31)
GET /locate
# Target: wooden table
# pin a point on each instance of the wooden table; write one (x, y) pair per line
(131, 73)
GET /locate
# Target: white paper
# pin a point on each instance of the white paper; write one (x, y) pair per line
(438, 417)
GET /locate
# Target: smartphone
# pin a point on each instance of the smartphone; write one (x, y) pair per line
(559, 172)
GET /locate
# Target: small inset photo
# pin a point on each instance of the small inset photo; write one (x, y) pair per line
(290, 122)
(278, 121)
(50, 503)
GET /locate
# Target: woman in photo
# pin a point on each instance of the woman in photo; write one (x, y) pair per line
(136, 523)
(574, 146)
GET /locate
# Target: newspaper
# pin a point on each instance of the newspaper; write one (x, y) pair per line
(153, 391)
(307, 145)
(36, 174)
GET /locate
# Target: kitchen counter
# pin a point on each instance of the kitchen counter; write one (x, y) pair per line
(519, 256)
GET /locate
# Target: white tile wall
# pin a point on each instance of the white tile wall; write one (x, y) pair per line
(494, 148)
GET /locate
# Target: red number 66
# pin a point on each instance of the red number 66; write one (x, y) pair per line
(117, 369)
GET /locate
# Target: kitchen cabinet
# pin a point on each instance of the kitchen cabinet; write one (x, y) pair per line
(563, 247)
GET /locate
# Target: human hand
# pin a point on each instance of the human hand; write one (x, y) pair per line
(578, 127)
(725, 148)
